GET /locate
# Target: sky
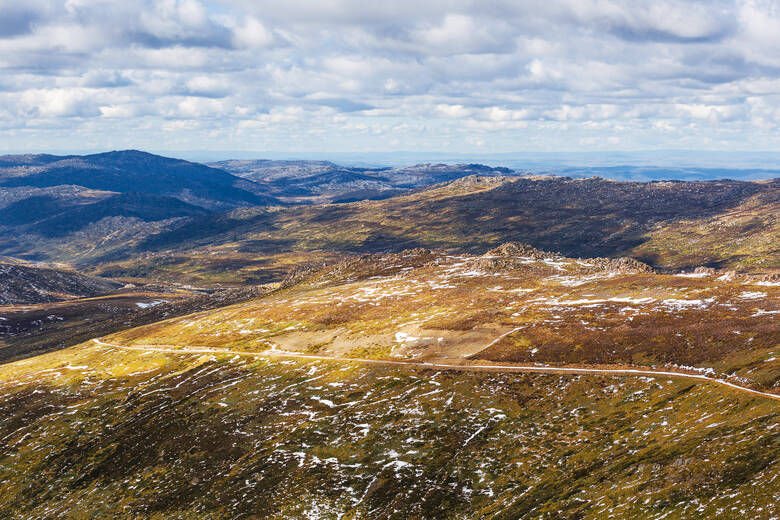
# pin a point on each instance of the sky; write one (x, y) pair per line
(482, 76)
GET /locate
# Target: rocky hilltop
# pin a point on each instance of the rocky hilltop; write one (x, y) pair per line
(517, 255)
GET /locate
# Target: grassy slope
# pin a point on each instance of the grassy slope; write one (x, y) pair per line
(218, 267)
(746, 237)
(100, 433)
(560, 311)
(29, 330)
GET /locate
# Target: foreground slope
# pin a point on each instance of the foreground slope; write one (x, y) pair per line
(101, 432)
(218, 415)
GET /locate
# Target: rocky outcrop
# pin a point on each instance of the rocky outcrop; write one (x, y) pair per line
(510, 249)
(300, 274)
(519, 255)
(622, 264)
(512, 256)
(769, 277)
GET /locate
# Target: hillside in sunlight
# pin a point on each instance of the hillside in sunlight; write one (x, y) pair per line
(514, 304)
(423, 383)
(109, 434)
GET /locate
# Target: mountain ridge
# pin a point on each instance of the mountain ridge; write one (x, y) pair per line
(577, 217)
(133, 170)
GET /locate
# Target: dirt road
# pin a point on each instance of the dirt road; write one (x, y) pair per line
(444, 365)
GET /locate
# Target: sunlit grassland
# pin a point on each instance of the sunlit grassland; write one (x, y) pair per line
(94, 432)
(554, 313)
(746, 238)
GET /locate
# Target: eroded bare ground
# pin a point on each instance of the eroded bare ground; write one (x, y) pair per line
(514, 304)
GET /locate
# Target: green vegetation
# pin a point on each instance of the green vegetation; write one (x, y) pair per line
(579, 218)
(147, 423)
(745, 238)
(32, 329)
(103, 433)
(725, 224)
(547, 309)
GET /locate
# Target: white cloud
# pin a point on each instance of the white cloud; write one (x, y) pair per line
(174, 19)
(453, 111)
(461, 34)
(208, 86)
(251, 33)
(55, 103)
(341, 74)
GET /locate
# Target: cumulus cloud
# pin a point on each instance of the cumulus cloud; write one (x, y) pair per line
(251, 33)
(346, 74)
(53, 103)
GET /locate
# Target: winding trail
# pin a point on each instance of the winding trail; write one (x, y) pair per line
(445, 366)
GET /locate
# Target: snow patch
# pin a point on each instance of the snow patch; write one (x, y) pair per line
(146, 305)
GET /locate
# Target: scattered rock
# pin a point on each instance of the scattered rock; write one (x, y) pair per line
(300, 273)
(770, 277)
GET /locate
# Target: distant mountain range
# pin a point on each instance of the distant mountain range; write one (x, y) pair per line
(111, 199)
(633, 165)
(133, 171)
(324, 181)
(90, 210)
(660, 173)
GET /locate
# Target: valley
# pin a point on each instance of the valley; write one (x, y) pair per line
(49, 307)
